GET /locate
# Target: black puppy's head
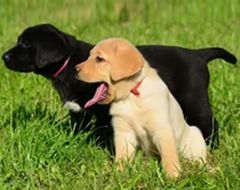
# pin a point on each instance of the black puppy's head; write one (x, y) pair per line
(37, 47)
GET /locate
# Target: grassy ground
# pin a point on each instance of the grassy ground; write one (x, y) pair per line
(37, 153)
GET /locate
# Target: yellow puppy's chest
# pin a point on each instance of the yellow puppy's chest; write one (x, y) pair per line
(129, 109)
(132, 111)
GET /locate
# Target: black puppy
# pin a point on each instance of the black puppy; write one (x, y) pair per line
(45, 50)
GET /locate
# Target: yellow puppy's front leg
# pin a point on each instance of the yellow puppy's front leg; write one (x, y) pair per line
(161, 131)
(125, 141)
(165, 143)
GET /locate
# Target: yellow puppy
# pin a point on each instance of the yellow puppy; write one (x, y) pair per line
(144, 111)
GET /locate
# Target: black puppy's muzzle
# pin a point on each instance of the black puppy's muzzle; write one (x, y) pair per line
(11, 63)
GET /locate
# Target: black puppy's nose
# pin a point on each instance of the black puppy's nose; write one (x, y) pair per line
(6, 57)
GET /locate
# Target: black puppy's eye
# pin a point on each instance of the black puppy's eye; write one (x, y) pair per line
(25, 44)
(99, 59)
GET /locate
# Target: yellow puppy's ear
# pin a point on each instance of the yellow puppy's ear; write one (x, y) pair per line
(126, 62)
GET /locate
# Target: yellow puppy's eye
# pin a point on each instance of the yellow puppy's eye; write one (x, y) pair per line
(99, 59)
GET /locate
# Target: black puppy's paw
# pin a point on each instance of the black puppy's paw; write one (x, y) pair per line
(72, 106)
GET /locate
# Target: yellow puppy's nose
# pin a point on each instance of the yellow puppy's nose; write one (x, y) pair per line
(78, 67)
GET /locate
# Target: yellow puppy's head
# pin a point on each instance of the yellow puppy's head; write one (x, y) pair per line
(111, 61)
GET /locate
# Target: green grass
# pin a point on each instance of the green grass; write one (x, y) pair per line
(37, 152)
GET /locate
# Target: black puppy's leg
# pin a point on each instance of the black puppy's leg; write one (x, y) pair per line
(209, 127)
(203, 118)
(84, 121)
(81, 121)
(103, 128)
(98, 125)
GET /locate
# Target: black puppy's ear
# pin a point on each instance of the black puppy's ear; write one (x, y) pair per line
(52, 47)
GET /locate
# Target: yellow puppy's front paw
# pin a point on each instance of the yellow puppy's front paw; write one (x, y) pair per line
(173, 171)
(119, 165)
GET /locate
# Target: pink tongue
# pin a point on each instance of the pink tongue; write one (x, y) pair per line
(99, 95)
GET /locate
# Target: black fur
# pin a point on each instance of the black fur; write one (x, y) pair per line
(43, 49)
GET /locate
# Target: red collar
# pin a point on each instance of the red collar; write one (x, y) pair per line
(134, 90)
(62, 67)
